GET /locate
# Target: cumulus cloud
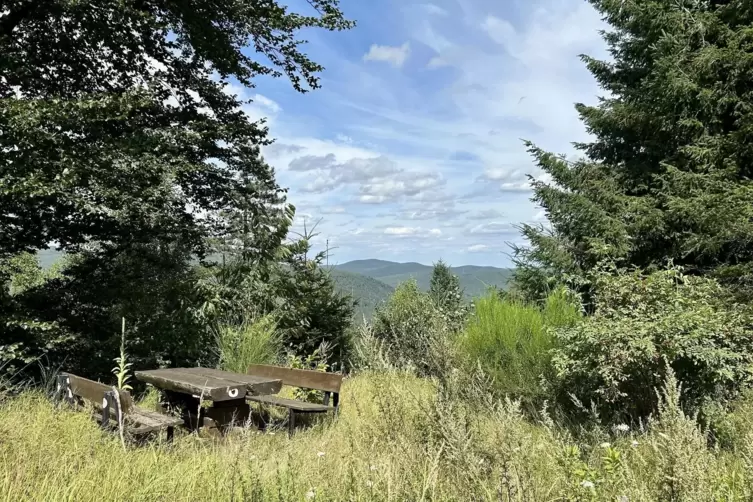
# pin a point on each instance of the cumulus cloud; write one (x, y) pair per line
(396, 56)
(438, 150)
(413, 232)
(378, 179)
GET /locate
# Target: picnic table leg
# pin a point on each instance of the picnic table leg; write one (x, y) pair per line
(106, 409)
(170, 433)
(291, 423)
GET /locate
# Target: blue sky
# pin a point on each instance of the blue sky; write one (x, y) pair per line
(412, 150)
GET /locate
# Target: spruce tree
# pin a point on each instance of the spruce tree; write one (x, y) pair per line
(667, 175)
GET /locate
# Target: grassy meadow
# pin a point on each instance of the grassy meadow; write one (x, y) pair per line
(398, 438)
(462, 435)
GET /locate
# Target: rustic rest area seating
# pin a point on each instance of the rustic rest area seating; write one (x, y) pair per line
(305, 379)
(137, 421)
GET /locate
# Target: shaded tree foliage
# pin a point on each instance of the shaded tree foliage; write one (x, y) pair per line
(667, 176)
(122, 143)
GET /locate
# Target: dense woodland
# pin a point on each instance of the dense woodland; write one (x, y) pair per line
(617, 366)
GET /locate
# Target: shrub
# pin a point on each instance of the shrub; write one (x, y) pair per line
(616, 357)
(253, 341)
(511, 340)
(413, 330)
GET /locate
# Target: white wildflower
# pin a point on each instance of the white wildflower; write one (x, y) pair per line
(369, 483)
(634, 444)
(622, 428)
(372, 468)
(587, 484)
(605, 445)
(310, 494)
(320, 454)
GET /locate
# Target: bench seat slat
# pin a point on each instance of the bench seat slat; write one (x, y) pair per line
(152, 418)
(290, 404)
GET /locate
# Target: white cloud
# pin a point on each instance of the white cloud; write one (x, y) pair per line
(396, 56)
(401, 230)
(501, 71)
(501, 31)
(493, 228)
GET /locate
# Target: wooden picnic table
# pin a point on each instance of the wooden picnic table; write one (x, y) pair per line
(185, 389)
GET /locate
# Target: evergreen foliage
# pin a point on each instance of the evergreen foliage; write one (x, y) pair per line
(447, 294)
(667, 176)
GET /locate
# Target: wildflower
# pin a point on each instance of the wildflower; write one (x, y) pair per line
(320, 454)
(372, 468)
(605, 445)
(310, 494)
(634, 444)
(622, 428)
(369, 483)
(587, 484)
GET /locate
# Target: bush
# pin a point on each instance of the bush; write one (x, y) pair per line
(512, 340)
(253, 341)
(413, 331)
(618, 356)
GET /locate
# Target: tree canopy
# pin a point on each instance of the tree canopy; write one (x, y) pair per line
(123, 142)
(667, 175)
(117, 122)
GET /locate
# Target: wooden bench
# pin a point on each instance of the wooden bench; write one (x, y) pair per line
(138, 421)
(305, 379)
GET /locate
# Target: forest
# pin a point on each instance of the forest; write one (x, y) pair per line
(617, 365)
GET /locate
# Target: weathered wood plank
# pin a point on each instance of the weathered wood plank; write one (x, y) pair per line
(291, 404)
(212, 389)
(94, 391)
(255, 385)
(151, 421)
(307, 379)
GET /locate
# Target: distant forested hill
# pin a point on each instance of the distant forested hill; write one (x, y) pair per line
(372, 281)
(368, 291)
(473, 279)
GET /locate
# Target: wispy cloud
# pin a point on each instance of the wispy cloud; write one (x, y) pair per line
(413, 147)
(395, 56)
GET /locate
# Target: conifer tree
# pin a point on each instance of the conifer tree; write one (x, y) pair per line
(667, 175)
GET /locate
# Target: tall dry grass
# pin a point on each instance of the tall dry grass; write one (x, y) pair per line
(398, 438)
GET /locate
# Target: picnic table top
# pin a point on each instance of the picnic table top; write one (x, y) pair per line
(210, 384)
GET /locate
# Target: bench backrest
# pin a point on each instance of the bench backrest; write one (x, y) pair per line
(95, 391)
(306, 379)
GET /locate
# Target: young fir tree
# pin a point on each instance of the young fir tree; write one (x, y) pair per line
(667, 176)
(313, 313)
(445, 291)
(444, 287)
